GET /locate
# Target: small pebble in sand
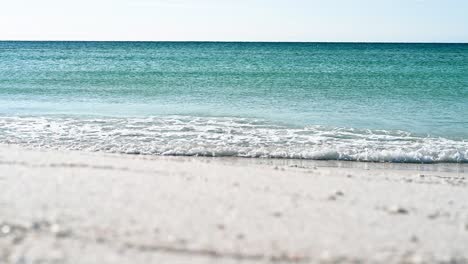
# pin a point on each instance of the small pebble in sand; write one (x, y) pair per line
(349, 176)
(17, 239)
(422, 175)
(38, 225)
(466, 226)
(433, 215)
(335, 195)
(5, 230)
(220, 226)
(240, 236)
(397, 210)
(59, 231)
(277, 214)
(414, 239)
(339, 193)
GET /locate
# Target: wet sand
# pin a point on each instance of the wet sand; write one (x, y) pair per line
(78, 207)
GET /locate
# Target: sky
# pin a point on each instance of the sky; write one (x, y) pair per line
(236, 20)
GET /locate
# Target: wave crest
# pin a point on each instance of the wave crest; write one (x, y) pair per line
(239, 137)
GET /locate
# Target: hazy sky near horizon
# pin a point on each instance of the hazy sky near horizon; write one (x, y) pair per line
(236, 20)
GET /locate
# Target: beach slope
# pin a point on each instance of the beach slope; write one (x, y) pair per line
(78, 207)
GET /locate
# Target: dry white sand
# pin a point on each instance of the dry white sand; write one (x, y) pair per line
(75, 207)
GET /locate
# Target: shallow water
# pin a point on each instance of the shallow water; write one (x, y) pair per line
(366, 102)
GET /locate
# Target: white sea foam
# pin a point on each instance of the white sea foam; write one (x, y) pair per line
(179, 135)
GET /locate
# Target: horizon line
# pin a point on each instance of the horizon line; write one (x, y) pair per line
(244, 41)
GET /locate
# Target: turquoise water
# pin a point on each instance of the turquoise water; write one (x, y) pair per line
(350, 101)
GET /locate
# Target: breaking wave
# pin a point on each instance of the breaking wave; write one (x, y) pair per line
(237, 137)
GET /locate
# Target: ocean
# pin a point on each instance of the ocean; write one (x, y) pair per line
(319, 101)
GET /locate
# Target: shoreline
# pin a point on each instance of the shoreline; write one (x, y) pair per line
(456, 167)
(60, 206)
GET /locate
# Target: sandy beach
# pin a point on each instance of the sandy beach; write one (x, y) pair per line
(79, 207)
